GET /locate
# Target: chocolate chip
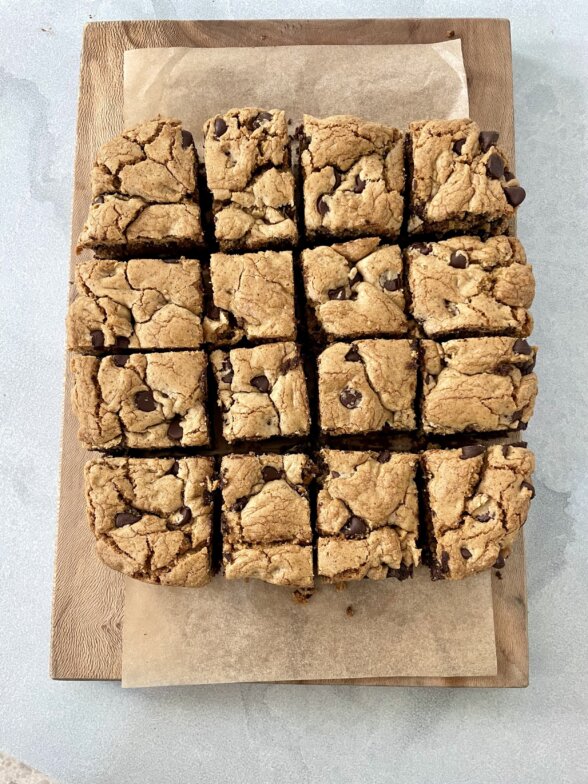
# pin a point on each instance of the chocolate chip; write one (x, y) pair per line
(97, 338)
(458, 259)
(186, 515)
(145, 400)
(505, 450)
(353, 355)
(521, 346)
(355, 527)
(270, 474)
(260, 382)
(528, 486)
(338, 293)
(444, 562)
(458, 146)
(384, 457)
(472, 450)
(359, 184)
(261, 118)
(127, 518)
(515, 195)
(390, 284)
(508, 175)
(187, 139)
(465, 553)
(495, 166)
(518, 445)
(289, 364)
(421, 247)
(121, 342)
(503, 369)
(517, 415)
(335, 474)
(337, 175)
(240, 503)
(174, 430)
(483, 518)
(214, 313)
(499, 562)
(487, 139)
(350, 398)
(98, 200)
(322, 206)
(220, 127)
(175, 468)
(527, 368)
(355, 276)
(120, 360)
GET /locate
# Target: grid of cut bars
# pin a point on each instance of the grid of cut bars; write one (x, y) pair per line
(293, 369)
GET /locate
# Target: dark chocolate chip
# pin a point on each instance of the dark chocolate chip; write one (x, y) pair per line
(260, 382)
(522, 347)
(523, 425)
(187, 139)
(127, 518)
(528, 486)
(503, 369)
(220, 127)
(515, 195)
(355, 276)
(518, 445)
(214, 313)
(121, 342)
(335, 474)
(350, 398)
(353, 355)
(421, 247)
(270, 474)
(390, 284)
(458, 146)
(487, 139)
(458, 259)
(505, 450)
(465, 553)
(384, 457)
(527, 368)
(321, 206)
(355, 528)
(261, 118)
(97, 338)
(186, 513)
(174, 430)
(499, 575)
(240, 503)
(359, 184)
(337, 175)
(290, 363)
(145, 401)
(517, 415)
(175, 468)
(499, 562)
(508, 175)
(483, 518)
(120, 360)
(495, 166)
(338, 293)
(472, 450)
(444, 562)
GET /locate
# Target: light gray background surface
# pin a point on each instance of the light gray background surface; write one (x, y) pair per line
(95, 732)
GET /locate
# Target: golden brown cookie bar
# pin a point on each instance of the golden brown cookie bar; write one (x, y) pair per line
(460, 179)
(465, 286)
(477, 500)
(142, 303)
(367, 385)
(262, 392)
(368, 515)
(247, 159)
(145, 197)
(355, 289)
(146, 401)
(353, 174)
(266, 518)
(478, 384)
(252, 297)
(152, 518)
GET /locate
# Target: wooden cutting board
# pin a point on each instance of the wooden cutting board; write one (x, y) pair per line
(88, 597)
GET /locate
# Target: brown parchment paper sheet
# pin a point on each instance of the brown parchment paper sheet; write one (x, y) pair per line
(237, 632)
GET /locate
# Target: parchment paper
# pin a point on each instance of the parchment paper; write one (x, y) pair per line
(233, 631)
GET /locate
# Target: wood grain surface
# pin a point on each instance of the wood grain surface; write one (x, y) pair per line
(88, 597)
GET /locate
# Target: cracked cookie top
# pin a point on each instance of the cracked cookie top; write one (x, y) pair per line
(252, 297)
(265, 499)
(477, 499)
(368, 385)
(460, 179)
(141, 400)
(464, 285)
(247, 158)
(141, 303)
(262, 392)
(353, 177)
(478, 384)
(152, 518)
(356, 288)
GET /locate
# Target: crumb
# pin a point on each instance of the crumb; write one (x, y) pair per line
(499, 575)
(302, 595)
(350, 612)
(340, 586)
